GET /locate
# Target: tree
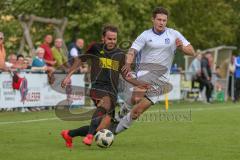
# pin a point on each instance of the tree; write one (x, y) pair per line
(204, 23)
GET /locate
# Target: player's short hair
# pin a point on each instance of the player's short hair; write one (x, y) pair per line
(109, 28)
(159, 10)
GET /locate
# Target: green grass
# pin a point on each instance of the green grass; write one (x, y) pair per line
(212, 132)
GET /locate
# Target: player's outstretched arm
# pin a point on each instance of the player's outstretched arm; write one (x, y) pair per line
(129, 60)
(187, 50)
(135, 82)
(75, 66)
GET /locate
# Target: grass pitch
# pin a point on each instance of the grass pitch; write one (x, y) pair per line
(187, 131)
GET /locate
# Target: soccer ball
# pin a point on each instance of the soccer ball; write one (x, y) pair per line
(104, 138)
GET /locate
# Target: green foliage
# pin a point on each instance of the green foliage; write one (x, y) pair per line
(204, 23)
(12, 32)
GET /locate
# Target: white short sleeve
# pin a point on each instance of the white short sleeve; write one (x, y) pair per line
(139, 43)
(182, 38)
(74, 52)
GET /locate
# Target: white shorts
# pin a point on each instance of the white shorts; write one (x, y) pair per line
(160, 86)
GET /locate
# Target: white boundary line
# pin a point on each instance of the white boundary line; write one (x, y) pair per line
(151, 111)
(29, 121)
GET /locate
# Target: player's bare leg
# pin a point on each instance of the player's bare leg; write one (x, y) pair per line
(105, 123)
(138, 110)
(137, 95)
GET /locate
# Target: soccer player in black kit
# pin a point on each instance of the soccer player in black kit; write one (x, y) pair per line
(106, 63)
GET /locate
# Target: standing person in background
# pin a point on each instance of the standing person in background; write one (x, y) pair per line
(194, 70)
(231, 77)
(206, 75)
(75, 50)
(59, 56)
(2, 53)
(48, 56)
(237, 79)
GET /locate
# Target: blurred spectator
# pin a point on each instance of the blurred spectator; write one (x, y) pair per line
(12, 59)
(38, 61)
(48, 56)
(59, 56)
(206, 75)
(216, 79)
(2, 52)
(219, 94)
(28, 62)
(237, 79)
(194, 70)
(75, 50)
(232, 65)
(20, 62)
(218, 72)
(39, 64)
(231, 75)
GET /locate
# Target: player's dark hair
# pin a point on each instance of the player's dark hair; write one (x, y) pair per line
(109, 28)
(159, 10)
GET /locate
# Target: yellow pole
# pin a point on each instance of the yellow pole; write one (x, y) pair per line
(166, 102)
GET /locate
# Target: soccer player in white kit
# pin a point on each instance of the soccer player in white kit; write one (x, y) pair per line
(154, 46)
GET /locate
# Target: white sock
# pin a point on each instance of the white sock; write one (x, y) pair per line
(124, 123)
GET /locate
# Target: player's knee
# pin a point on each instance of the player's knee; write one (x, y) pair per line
(137, 96)
(100, 112)
(135, 99)
(105, 102)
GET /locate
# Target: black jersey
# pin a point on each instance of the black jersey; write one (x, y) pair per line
(105, 66)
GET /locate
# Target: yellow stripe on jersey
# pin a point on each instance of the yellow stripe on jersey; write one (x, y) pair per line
(109, 64)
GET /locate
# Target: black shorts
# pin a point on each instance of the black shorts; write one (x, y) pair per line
(98, 92)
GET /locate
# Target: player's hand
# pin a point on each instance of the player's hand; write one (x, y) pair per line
(145, 85)
(179, 43)
(126, 69)
(66, 81)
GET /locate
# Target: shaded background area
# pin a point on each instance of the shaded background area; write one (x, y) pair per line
(204, 23)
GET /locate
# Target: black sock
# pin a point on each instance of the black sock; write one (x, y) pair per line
(82, 131)
(96, 119)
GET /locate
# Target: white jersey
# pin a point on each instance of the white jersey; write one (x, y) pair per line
(158, 48)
